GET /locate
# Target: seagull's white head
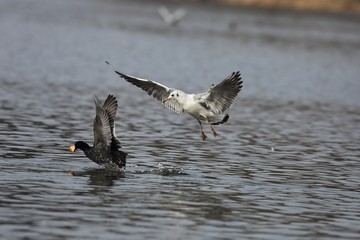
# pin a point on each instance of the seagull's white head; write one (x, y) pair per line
(177, 95)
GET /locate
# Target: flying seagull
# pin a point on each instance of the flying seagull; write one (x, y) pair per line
(206, 107)
(171, 18)
(106, 149)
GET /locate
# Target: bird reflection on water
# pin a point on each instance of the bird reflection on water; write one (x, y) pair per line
(101, 177)
(106, 176)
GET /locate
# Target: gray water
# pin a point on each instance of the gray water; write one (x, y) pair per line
(285, 166)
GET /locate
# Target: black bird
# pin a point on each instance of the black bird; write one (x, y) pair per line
(106, 145)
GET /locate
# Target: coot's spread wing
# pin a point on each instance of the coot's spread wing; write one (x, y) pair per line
(110, 107)
(101, 128)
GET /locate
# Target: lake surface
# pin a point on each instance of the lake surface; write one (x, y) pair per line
(285, 166)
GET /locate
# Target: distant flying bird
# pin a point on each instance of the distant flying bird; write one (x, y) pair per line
(205, 107)
(106, 145)
(171, 18)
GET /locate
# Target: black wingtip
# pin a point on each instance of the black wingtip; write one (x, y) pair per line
(110, 65)
(111, 97)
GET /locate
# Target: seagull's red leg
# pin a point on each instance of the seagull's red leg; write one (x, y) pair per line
(212, 128)
(203, 136)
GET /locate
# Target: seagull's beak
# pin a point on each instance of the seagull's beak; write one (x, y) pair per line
(166, 99)
(72, 148)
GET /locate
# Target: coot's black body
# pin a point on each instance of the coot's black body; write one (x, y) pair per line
(106, 148)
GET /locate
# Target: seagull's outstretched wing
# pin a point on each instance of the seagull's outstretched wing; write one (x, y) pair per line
(102, 126)
(155, 89)
(219, 98)
(165, 14)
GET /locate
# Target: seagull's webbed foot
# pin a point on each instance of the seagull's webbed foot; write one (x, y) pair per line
(213, 131)
(203, 135)
(212, 128)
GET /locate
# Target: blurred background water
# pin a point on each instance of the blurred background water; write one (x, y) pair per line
(285, 166)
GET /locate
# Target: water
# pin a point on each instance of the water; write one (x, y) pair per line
(285, 166)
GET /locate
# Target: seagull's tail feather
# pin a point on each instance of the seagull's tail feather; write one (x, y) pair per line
(224, 120)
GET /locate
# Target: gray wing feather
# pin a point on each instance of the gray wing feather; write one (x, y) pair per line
(110, 107)
(101, 128)
(174, 105)
(155, 89)
(219, 98)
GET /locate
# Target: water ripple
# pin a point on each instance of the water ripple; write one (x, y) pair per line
(285, 166)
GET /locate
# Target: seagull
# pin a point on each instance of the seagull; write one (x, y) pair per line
(106, 145)
(207, 107)
(171, 18)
